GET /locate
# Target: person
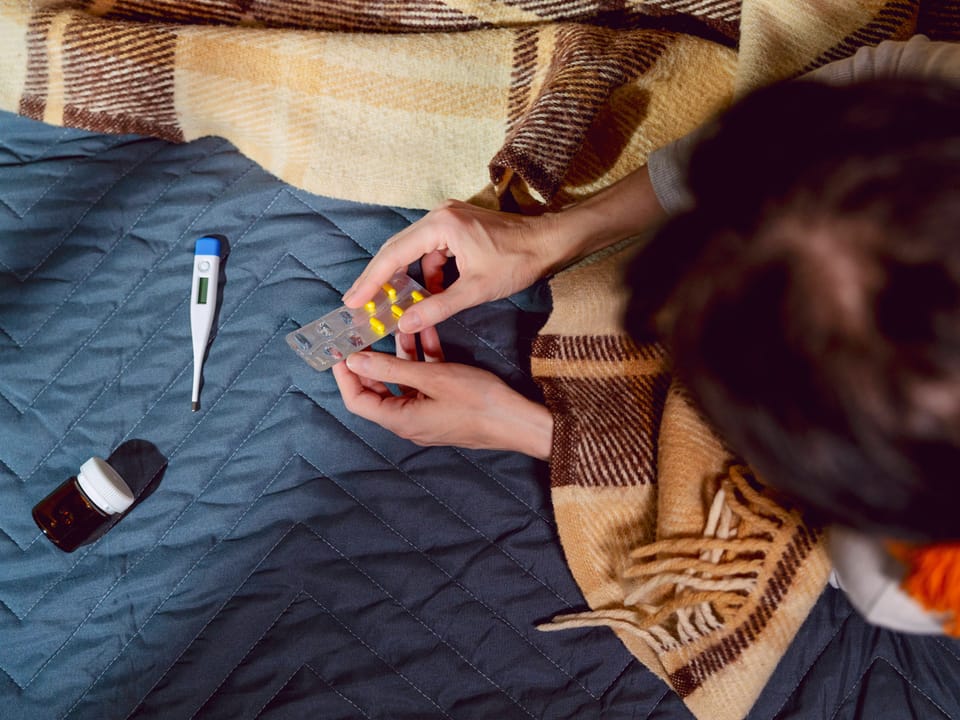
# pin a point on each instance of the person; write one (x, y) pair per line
(805, 276)
(497, 254)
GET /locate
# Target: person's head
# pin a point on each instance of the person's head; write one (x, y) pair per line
(810, 297)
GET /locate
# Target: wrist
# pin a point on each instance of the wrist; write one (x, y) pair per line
(623, 210)
(539, 443)
(526, 427)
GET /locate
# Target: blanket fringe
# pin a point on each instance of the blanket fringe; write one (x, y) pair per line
(711, 575)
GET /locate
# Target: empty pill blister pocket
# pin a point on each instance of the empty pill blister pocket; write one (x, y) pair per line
(329, 339)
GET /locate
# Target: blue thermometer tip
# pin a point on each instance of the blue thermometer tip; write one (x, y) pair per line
(207, 246)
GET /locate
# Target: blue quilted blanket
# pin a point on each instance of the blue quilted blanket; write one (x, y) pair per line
(285, 559)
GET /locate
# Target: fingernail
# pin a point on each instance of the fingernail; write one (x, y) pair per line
(410, 321)
(358, 362)
(348, 294)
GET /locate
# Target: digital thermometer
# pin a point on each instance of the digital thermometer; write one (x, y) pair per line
(203, 304)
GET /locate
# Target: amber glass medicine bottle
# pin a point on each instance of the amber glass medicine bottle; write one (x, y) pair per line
(71, 514)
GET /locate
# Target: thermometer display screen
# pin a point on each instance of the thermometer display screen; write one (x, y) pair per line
(202, 291)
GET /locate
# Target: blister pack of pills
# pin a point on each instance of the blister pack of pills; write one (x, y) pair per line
(328, 340)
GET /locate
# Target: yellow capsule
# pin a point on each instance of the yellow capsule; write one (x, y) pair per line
(396, 310)
(417, 296)
(390, 290)
(370, 306)
(378, 326)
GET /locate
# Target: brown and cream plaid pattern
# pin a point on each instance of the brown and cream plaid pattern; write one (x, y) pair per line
(404, 102)
(409, 102)
(527, 103)
(676, 548)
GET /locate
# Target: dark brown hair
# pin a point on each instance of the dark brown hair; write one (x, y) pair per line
(810, 297)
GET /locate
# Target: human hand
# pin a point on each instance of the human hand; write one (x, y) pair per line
(500, 253)
(497, 254)
(443, 403)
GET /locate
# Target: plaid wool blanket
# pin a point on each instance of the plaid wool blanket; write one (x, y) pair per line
(699, 569)
(702, 575)
(517, 103)
(409, 102)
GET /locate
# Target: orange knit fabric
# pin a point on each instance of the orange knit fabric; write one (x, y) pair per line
(933, 579)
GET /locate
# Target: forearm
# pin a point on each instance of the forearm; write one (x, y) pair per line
(626, 208)
(645, 197)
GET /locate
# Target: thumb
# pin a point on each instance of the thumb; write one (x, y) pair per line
(434, 309)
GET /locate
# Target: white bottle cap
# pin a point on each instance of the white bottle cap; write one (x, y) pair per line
(105, 488)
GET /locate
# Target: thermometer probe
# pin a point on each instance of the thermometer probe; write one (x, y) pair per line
(203, 304)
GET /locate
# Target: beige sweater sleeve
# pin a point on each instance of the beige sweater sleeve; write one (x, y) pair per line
(917, 57)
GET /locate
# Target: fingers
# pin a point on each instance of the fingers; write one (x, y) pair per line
(406, 346)
(378, 271)
(431, 265)
(370, 399)
(404, 248)
(430, 342)
(347, 382)
(434, 309)
(352, 389)
(374, 386)
(352, 385)
(388, 369)
(406, 350)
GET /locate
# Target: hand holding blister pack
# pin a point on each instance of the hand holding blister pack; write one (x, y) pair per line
(328, 340)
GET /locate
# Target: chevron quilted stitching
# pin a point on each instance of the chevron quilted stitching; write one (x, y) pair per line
(866, 672)
(430, 630)
(267, 276)
(304, 593)
(379, 656)
(120, 374)
(180, 310)
(381, 589)
(510, 491)
(9, 195)
(460, 517)
(803, 675)
(123, 368)
(353, 632)
(23, 275)
(279, 616)
(354, 711)
(385, 592)
(130, 293)
(120, 237)
(406, 541)
(215, 615)
(225, 323)
(84, 278)
(137, 562)
(917, 688)
(285, 533)
(931, 676)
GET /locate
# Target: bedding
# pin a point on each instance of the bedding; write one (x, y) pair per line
(523, 102)
(284, 558)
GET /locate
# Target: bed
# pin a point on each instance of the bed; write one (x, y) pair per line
(285, 559)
